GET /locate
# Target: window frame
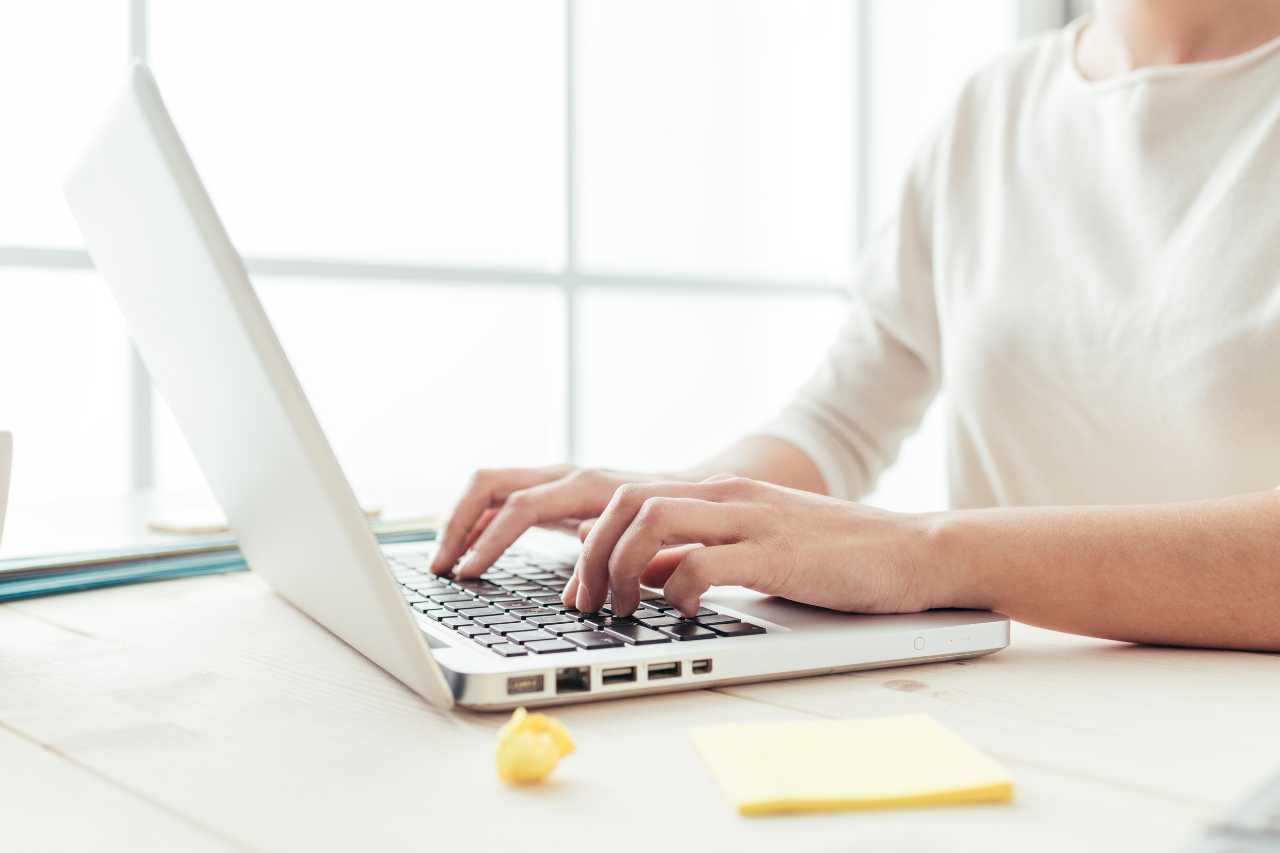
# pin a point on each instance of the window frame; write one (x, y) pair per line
(571, 278)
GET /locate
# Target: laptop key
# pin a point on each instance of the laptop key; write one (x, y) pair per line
(593, 640)
(473, 612)
(555, 619)
(737, 629)
(715, 619)
(636, 635)
(506, 629)
(657, 621)
(523, 637)
(509, 583)
(496, 619)
(688, 631)
(488, 639)
(549, 598)
(508, 650)
(456, 621)
(702, 611)
(568, 627)
(525, 612)
(545, 647)
(472, 630)
(446, 597)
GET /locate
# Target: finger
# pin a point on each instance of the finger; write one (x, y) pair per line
(485, 489)
(593, 564)
(653, 576)
(584, 527)
(741, 563)
(546, 502)
(570, 594)
(660, 567)
(666, 521)
(473, 534)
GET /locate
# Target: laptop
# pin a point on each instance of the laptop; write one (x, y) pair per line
(496, 642)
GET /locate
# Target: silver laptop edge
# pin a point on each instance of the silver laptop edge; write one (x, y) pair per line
(196, 321)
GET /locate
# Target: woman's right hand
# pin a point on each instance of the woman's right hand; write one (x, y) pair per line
(499, 505)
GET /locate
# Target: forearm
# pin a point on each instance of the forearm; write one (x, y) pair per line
(1205, 573)
(765, 458)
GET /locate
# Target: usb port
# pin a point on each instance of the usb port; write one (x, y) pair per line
(518, 684)
(664, 670)
(702, 666)
(617, 675)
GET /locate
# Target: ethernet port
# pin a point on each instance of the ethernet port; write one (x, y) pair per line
(573, 679)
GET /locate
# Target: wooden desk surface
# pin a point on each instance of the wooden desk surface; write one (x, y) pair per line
(207, 714)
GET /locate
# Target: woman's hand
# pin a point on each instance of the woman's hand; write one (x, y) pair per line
(499, 505)
(779, 541)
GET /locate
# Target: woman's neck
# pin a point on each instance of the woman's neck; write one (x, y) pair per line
(1128, 34)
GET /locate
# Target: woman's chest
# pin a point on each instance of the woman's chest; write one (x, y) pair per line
(1184, 330)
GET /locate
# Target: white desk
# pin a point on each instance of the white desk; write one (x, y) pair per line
(206, 714)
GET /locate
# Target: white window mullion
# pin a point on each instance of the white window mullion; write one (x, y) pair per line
(142, 452)
(569, 285)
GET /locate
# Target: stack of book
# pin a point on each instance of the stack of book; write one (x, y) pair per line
(30, 577)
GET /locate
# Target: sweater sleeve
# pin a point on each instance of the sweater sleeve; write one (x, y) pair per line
(881, 372)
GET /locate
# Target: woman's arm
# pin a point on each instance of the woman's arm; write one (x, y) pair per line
(763, 457)
(1204, 573)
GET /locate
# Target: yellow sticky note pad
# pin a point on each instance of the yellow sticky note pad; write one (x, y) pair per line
(828, 765)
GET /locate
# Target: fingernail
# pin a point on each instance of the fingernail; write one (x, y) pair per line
(580, 601)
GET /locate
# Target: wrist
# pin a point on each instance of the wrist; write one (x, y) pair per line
(950, 558)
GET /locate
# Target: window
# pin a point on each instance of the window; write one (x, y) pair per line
(489, 232)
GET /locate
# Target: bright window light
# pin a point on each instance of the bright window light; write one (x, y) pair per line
(665, 386)
(382, 130)
(718, 142)
(60, 60)
(415, 386)
(63, 391)
(715, 137)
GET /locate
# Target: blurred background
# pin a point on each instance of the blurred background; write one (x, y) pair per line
(489, 232)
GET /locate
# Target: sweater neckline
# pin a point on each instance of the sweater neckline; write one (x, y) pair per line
(1156, 73)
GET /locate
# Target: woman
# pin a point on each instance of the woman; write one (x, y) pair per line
(1086, 259)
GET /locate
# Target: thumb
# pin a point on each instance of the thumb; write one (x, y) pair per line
(663, 564)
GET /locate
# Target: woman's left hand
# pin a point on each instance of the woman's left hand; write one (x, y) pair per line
(779, 541)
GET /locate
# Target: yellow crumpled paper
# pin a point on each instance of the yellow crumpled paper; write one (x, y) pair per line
(530, 746)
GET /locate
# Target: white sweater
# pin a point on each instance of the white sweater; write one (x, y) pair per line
(1091, 273)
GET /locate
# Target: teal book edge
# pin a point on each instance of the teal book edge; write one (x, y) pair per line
(33, 577)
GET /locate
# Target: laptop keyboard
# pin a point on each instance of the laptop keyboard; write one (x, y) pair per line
(514, 609)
